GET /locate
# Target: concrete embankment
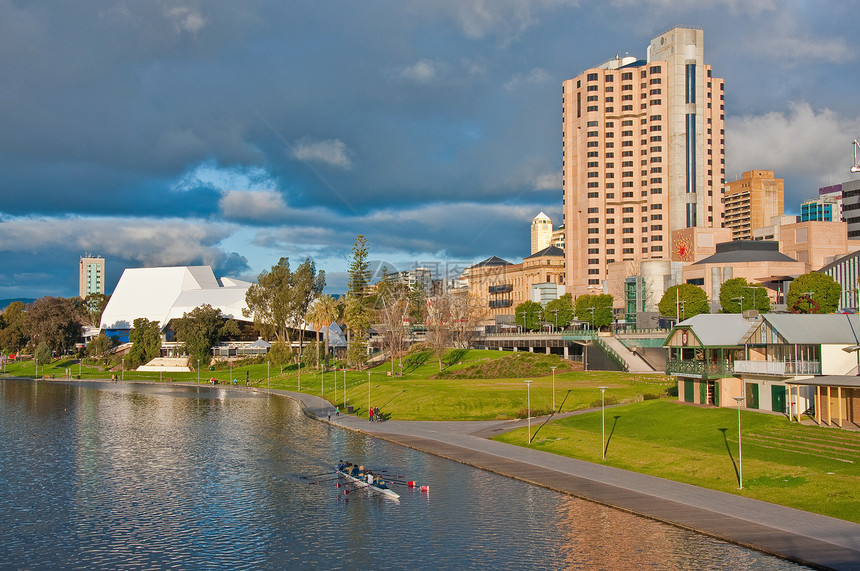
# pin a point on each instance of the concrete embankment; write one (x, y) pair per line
(807, 538)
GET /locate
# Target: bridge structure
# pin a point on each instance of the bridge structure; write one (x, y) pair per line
(595, 350)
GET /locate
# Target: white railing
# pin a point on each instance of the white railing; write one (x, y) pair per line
(778, 368)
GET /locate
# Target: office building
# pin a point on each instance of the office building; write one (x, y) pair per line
(643, 156)
(827, 207)
(851, 207)
(91, 275)
(752, 201)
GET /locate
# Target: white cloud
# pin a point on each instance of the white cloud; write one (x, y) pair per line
(258, 205)
(801, 142)
(333, 152)
(506, 18)
(424, 71)
(186, 19)
(148, 242)
(548, 181)
(535, 76)
(754, 7)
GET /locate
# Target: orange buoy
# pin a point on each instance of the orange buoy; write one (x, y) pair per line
(425, 488)
(412, 484)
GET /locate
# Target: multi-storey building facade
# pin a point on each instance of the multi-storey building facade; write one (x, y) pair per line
(827, 207)
(643, 155)
(500, 285)
(91, 276)
(851, 207)
(752, 201)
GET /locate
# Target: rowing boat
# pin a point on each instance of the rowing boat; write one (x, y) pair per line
(359, 483)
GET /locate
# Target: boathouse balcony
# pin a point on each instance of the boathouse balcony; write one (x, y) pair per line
(778, 368)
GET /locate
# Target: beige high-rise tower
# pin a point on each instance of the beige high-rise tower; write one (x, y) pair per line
(643, 155)
(752, 201)
(541, 232)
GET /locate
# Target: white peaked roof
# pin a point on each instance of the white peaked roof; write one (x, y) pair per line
(542, 216)
(162, 294)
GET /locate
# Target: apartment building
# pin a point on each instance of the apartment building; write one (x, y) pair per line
(643, 156)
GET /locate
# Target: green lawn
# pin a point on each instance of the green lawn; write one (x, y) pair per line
(807, 467)
(416, 395)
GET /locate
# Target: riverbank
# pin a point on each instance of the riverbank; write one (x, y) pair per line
(807, 538)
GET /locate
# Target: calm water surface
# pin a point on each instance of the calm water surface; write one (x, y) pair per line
(150, 477)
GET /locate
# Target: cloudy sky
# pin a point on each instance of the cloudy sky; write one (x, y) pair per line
(174, 132)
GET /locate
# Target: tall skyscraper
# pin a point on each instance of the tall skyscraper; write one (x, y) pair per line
(752, 201)
(91, 275)
(643, 155)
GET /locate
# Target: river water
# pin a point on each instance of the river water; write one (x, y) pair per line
(132, 476)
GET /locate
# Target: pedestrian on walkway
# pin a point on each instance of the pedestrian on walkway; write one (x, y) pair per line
(337, 411)
(329, 415)
(370, 414)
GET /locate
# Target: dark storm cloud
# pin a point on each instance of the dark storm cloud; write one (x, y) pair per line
(258, 129)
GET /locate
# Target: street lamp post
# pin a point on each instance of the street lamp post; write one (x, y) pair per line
(368, 394)
(122, 371)
(553, 388)
(198, 371)
(529, 409)
(603, 421)
(322, 382)
(345, 398)
(79, 368)
(591, 309)
(267, 373)
(740, 448)
(741, 302)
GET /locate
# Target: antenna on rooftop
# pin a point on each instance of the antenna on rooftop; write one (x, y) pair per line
(856, 167)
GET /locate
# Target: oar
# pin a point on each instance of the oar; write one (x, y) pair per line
(309, 476)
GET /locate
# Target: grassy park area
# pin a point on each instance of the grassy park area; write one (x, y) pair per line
(807, 467)
(474, 384)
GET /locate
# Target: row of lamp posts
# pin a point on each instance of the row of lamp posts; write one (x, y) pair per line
(603, 422)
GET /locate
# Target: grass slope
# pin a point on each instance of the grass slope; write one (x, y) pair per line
(805, 467)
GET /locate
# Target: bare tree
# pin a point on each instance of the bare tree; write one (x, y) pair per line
(467, 313)
(438, 323)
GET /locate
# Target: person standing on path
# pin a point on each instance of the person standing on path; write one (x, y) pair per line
(370, 414)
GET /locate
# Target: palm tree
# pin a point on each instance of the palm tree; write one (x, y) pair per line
(323, 312)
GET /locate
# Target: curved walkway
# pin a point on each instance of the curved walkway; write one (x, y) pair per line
(804, 537)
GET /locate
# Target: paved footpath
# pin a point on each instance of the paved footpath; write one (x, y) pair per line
(811, 539)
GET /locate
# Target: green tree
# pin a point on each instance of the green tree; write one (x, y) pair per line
(145, 338)
(359, 269)
(559, 311)
(357, 310)
(528, 315)
(279, 301)
(201, 329)
(54, 320)
(820, 287)
(13, 336)
(324, 312)
(280, 355)
(43, 353)
(689, 299)
(100, 346)
(596, 310)
(92, 308)
(737, 295)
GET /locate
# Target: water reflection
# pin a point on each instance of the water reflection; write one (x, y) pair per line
(143, 476)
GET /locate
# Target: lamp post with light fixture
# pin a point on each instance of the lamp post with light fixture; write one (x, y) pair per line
(529, 409)
(740, 448)
(603, 421)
